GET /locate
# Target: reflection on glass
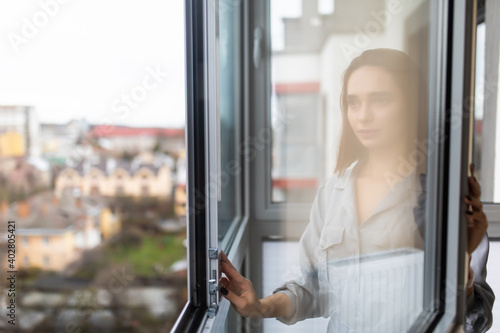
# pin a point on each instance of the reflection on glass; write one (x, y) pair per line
(349, 117)
(486, 120)
(479, 103)
(92, 168)
(230, 13)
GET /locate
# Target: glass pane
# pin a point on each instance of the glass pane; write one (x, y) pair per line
(92, 163)
(349, 116)
(494, 280)
(277, 263)
(486, 119)
(230, 46)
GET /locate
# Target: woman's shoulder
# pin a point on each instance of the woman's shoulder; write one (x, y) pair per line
(336, 181)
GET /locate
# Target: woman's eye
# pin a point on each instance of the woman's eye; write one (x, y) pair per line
(352, 104)
(382, 100)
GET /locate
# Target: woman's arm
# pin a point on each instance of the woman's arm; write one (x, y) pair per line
(477, 223)
(297, 299)
(480, 296)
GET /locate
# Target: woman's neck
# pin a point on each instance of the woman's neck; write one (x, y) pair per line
(381, 163)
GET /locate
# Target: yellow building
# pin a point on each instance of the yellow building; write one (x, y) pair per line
(12, 144)
(46, 249)
(180, 203)
(143, 180)
(51, 233)
(110, 223)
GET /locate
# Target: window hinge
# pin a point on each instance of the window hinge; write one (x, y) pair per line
(213, 288)
(213, 253)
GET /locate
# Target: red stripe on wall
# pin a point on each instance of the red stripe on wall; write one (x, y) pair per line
(289, 183)
(298, 87)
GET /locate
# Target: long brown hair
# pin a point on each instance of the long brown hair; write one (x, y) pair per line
(397, 64)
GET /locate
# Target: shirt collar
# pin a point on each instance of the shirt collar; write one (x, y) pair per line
(410, 181)
(400, 191)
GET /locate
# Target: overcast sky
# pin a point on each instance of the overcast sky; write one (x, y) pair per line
(87, 55)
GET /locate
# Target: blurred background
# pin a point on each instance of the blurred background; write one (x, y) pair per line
(93, 152)
(93, 164)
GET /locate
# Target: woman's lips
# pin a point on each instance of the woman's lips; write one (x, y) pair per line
(367, 134)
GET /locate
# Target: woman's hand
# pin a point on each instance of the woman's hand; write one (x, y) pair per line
(239, 291)
(476, 219)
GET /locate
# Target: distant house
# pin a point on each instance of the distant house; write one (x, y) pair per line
(110, 223)
(61, 142)
(180, 200)
(19, 131)
(52, 233)
(180, 195)
(12, 144)
(134, 140)
(111, 178)
(24, 175)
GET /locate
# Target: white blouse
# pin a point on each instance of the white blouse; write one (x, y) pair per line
(329, 279)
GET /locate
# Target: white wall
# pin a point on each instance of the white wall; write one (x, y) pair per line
(289, 68)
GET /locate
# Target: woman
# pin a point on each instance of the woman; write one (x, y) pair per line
(366, 207)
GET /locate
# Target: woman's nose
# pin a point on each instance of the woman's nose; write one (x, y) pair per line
(365, 113)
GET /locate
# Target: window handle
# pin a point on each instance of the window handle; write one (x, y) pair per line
(257, 47)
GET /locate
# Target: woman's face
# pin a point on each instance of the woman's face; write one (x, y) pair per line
(376, 108)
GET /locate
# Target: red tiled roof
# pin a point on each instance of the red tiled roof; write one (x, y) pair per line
(110, 130)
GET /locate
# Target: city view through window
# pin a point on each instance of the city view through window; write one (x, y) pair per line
(92, 165)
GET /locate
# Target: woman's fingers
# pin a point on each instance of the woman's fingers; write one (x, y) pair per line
(474, 202)
(236, 300)
(242, 296)
(474, 186)
(234, 276)
(238, 283)
(228, 269)
(477, 224)
(477, 219)
(224, 282)
(238, 290)
(224, 258)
